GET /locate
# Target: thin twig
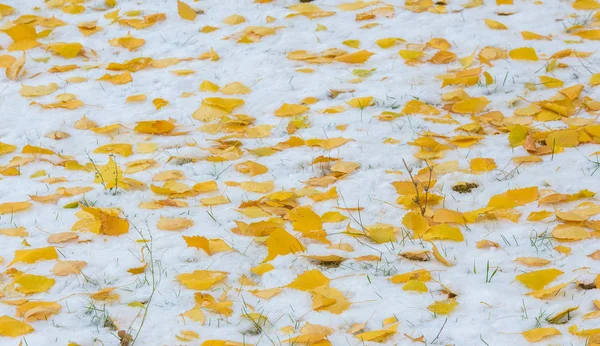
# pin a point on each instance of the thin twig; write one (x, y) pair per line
(440, 332)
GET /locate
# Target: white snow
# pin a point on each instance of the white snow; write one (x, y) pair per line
(494, 313)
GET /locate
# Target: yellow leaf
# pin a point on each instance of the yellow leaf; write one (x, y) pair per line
(262, 268)
(210, 246)
(419, 274)
(409, 55)
(561, 317)
(571, 216)
(562, 138)
(40, 90)
(574, 329)
(154, 126)
(470, 105)
(101, 221)
(35, 255)
(416, 286)
(6, 148)
(187, 336)
(352, 43)
(595, 79)
(377, 335)
(14, 232)
(16, 70)
(208, 29)
(138, 270)
(539, 279)
(528, 35)
(206, 186)
(195, 314)
(110, 174)
(443, 232)
(356, 5)
(117, 79)
(492, 24)
(517, 135)
(523, 53)
(355, 58)
(37, 310)
(533, 261)
(209, 86)
(329, 299)
(288, 110)
(251, 168)
(31, 149)
(174, 223)
(565, 250)
(217, 200)
(479, 165)
(235, 88)
(30, 284)
(304, 219)
(281, 243)
(13, 207)
(537, 334)
(185, 11)
(226, 104)
(589, 34)
(388, 42)
(64, 268)
(550, 82)
(381, 233)
(330, 143)
(570, 233)
(309, 280)
(443, 307)
(539, 215)
(234, 19)
(201, 279)
(361, 102)
(6, 10)
(106, 294)
(514, 198)
(438, 256)
(258, 187)
(131, 43)
(122, 149)
(12, 328)
(66, 50)
(159, 103)
(332, 216)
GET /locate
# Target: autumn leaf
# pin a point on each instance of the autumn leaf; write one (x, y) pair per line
(174, 223)
(201, 279)
(13, 328)
(13, 207)
(514, 198)
(30, 283)
(16, 70)
(35, 255)
(280, 243)
(185, 11)
(538, 279)
(377, 335)
(537, 334)
(443, 307)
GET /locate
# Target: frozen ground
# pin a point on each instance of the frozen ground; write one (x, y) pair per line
(353, 290)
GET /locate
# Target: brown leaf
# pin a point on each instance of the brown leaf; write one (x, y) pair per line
(529, 144)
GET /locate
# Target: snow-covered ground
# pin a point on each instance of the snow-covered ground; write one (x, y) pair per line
(267, 195)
